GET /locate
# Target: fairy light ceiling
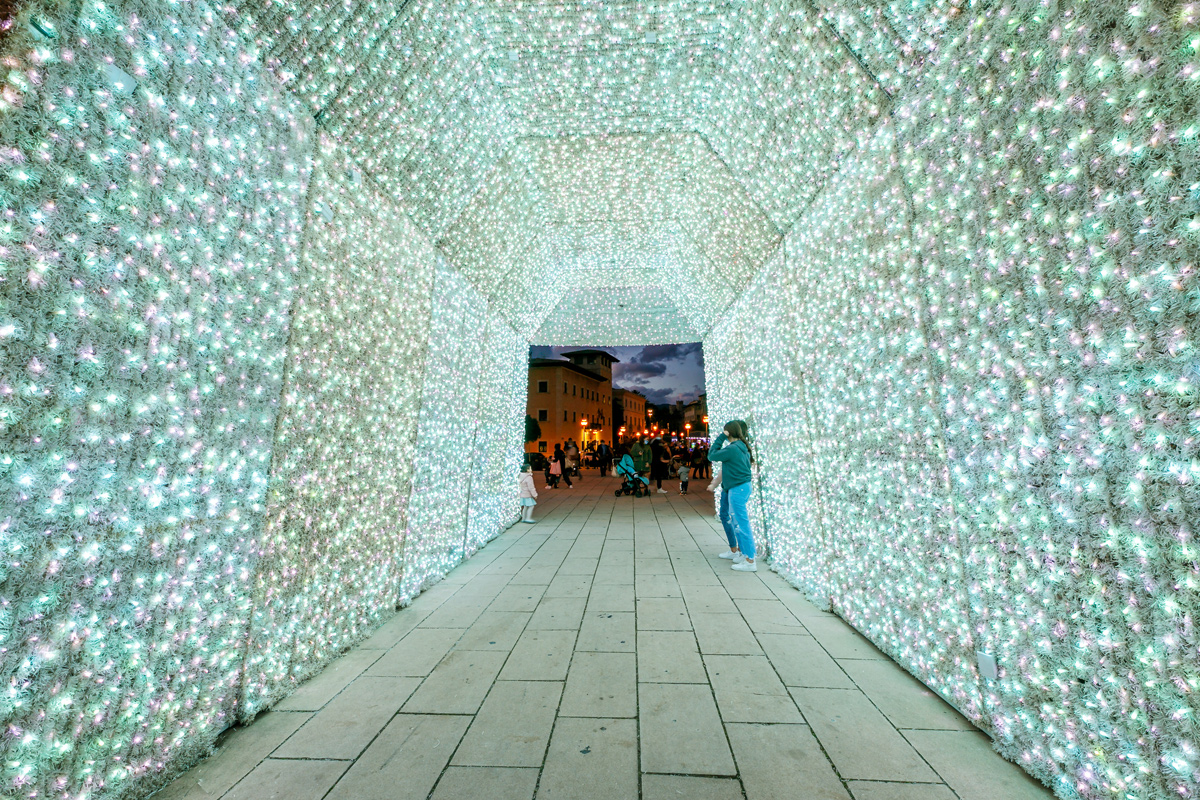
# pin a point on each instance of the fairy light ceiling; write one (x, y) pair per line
(552, 147)
(660, 212)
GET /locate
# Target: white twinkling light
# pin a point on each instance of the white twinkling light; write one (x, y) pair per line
(254, 394)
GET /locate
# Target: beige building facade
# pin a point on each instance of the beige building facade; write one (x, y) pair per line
(571, 399)
(629, 411)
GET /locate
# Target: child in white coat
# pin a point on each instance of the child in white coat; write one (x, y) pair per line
(528, 493)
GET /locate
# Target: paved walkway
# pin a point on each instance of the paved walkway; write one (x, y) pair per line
(606, 652)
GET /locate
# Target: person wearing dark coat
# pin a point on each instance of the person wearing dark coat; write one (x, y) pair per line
(604, 457)
(561, 458)
(660, 464)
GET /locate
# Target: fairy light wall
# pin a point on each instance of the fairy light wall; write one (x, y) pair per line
(993, 303)
(152, 183)
(331, 558)
(268, 273)
(498, 450)
(437, 522)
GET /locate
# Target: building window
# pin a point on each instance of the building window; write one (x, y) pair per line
(573, 417)
(564, 387)
(543, 415)
(564, 416)
(543, 387)
(572, 390)
(541, 447)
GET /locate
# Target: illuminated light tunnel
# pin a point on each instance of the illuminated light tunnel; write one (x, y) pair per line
(265, 265)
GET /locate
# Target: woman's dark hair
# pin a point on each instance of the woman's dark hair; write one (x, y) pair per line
(741, 430)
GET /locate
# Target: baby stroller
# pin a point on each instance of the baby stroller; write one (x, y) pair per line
(631, 482)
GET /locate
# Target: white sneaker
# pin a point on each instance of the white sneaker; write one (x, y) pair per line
(662, 491)
(745, 565)
(729, 555)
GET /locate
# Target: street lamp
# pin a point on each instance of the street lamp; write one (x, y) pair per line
(705, 421)
(687, 430)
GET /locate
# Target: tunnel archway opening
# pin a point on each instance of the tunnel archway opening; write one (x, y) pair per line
(268, 268)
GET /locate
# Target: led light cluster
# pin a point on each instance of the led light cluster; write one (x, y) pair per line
(435, 99)
(881, 545)
(970, 367)
(563, 221)
(499, 433)
(151, 204)
(1070, 397)
(445, 451)
(331, 563)
(729, 398)
(994, 304)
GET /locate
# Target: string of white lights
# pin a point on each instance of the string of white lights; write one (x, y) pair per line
(254, 394)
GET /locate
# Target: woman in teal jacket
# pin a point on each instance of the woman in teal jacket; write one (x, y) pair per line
(732, 449)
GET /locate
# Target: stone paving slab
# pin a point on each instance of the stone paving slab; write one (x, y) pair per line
(681, 731)
(570, 586)
(904, 700)
(783, 762)
(724, 634)
(285, 779)
(748, 690)
(494, 630)
(679, 787)
(417, 654)
(322, 688)
(601, 685)
(348, 723)
(611, 597)
(885, 790)
(486, 783)
(844, 719)
(518, 598)
(558, 613)
(656, 586)
(662, 614)
(458, 684)
(603, 652)
(966, 761)
(607, 631)
(769, 616)
(405, 760)
(237, 753)
(669, 657)
(708, 600)
(540, 656)
(841, 640)
(591, 759)
(512, 727)
(801, 661)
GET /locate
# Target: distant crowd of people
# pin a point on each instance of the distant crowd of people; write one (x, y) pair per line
(656, 460)
(653, 458)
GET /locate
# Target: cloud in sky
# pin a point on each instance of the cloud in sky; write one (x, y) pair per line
(663, 372)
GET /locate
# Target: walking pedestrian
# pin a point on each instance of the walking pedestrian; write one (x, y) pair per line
(660, 466)
(683, 471)
(560, 458)
(700, 462)
(604, 455)
(571, 465)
